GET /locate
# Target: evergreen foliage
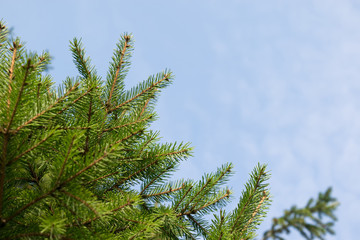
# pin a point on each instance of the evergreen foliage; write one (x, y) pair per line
(71, 156)
(309, 221)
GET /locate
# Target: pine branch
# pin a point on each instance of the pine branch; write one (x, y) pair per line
(221, 225)
(3, 33)
(96, 161)
(143, 109)
(128, 124)
(65, 206)
(52, 106)
(164, 192)
(34, 176)
(29, 149)
(132, 175)
(128, 137)
(86, 148)
(34, 234)
(129, 203)
(157, 159)
(16, 46)
(193, 210)
(2, 175)
(154, 179)
(118, 68)
(249, 200)
(65, 160)
(138, 233)
(152, 86)
(263, 198)
(81, 201)
(82, 63)
(173, 153)
(73, 102)
(102, 177)
(205, 188)
(23, 208)
(192, 199)
(183, 197)
(309, 220)
(6, 141)
(197, 223)
(27, 69)
(152, 138)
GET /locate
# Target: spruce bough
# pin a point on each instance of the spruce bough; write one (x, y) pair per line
(70, 158)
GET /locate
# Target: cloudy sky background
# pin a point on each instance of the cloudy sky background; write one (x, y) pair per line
(268, 81)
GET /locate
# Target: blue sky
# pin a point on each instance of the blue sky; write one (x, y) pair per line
(267, 81)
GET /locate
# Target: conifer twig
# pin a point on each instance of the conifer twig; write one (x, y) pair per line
(73, 102)
(166, 77)
(8, 219)
(154, 179)
(6, 140)
(183, 197)
(86, 148)
(129, 202)
(81, 201)
(145, 145)
(102, 177)
(263, 198)
(164, 192)
(118, 67)
(218, 179)
(29, 150)
(86, 168)
(65, 160)
(249, 199)
(132, 175)
(27, 68)
(136, 234)
(192, 210)
(143, 109)
(79, 59)
(197, 223)
(172, 153)
(142, 169)
(97, 160)
(2, 174)
(127, 137)
(49, 108)
(11, 70)
(127, 124)
(33, 234)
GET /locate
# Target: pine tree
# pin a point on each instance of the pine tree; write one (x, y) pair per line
(80, 162)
